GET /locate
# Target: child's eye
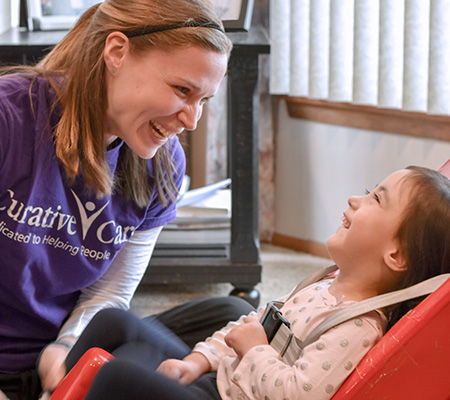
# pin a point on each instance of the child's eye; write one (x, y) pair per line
(375, 196)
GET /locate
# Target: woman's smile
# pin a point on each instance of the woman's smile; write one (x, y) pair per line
(162, 133)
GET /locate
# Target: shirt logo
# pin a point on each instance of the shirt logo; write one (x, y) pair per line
(108, 232)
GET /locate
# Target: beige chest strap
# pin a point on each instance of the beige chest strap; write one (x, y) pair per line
(290, 347)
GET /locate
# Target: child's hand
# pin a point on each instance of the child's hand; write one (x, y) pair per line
(250, 334)
(185, 371)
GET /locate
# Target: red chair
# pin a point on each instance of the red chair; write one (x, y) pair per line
(411, 361)
(77, 382)
(445, 169)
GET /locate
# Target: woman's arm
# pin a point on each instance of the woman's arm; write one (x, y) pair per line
(114, 289)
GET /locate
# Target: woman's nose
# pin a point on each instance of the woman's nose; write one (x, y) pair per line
(190, 115)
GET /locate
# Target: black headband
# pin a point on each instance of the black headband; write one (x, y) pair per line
(160, 28)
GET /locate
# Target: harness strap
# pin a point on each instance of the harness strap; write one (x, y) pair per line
(290, 347)
(313, 278)
(362, 307)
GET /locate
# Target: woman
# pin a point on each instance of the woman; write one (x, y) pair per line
(393, 237)
(90, 168)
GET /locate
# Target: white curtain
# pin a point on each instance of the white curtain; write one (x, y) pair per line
(385, 53)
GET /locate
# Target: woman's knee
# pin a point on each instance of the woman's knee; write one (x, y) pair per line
(109, 317)
(228, 308)
(108, 329)
(114, 320)
(234, 307)
(195, 321)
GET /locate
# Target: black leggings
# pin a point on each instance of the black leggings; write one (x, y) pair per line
(124, 380)
(21, 386)
(141, 345)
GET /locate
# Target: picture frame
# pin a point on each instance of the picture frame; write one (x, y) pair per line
(236, 15)
(62, 14)
(44, 15)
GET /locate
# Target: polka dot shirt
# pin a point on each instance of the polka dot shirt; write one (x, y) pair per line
(321, 369)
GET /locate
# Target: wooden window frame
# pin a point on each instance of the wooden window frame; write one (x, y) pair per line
(416, 124)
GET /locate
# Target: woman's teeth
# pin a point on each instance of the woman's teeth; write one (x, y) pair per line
(160, 132)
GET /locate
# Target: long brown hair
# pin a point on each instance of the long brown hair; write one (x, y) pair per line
(424, 233)
(78, 58)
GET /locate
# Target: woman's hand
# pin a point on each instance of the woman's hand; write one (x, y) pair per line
(52, 368)
(185, 371)
(3, 396)
(245, 336)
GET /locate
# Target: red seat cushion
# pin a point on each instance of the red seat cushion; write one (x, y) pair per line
(411, 361)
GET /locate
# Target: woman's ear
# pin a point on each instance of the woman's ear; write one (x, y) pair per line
(116, 47)
(395, 261)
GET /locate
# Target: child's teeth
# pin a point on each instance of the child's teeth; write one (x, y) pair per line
(345, 222)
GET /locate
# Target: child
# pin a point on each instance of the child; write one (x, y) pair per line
(392, 237)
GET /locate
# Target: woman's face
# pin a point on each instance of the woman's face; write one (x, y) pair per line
(155, 96)
(371, 223)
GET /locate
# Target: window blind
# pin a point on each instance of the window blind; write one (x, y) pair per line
(384, 53)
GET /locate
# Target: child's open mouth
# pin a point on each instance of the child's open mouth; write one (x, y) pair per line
(345, 222)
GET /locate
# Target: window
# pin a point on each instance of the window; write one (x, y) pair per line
(383, 53)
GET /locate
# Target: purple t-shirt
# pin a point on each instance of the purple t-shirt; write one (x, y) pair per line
(55, 239)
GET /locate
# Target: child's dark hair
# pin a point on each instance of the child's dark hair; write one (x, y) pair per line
(424, 233)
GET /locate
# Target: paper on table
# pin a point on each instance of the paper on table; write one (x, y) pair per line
(197, 195)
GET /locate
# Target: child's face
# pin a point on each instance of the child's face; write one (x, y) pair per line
(370, 224)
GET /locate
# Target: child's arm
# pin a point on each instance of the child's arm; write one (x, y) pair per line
(187, 370)
(242, 337)
(236, 338)
(206, 355)
(215, 348)
(245, 336)
(318, 373)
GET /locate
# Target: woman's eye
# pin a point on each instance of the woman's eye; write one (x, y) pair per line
(183, 90)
